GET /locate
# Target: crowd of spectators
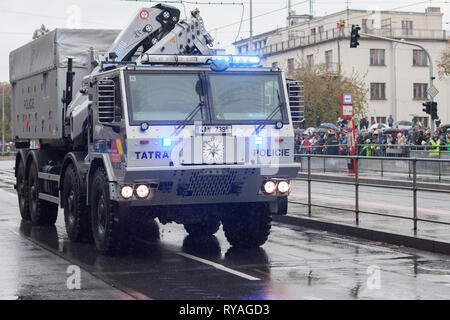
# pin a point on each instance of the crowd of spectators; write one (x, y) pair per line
(373, 141)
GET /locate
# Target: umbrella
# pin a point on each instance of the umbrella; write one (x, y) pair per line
(299, 131)
(310, 130)
(322, 130)
(392, 131)
(329, 126)
(378, 126)
(446, 126)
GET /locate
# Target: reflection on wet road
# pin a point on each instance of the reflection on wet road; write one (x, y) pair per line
(295, 263)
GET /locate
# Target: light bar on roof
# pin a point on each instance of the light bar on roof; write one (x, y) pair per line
(180, 59)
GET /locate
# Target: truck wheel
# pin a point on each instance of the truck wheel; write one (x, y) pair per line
(43, 213)
(22, 192)
(207, 227)
(249, 226)
(106, 228)
(76, 214)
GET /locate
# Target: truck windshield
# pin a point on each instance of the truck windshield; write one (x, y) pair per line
(164, 97)
(240, 97)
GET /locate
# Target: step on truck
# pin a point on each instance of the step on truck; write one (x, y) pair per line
(119, 128)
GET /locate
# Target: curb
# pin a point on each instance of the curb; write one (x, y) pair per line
(368, 234)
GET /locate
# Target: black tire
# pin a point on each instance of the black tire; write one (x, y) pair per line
(22, 192)
(43, 213)
(108, 229)
(282, 206)
(208, 226)
(76, 213)
(249, 226)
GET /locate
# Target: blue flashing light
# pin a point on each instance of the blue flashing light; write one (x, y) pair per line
(227, 59)
(258, 140)
(239, 60)
(247, 60)
(167, 142)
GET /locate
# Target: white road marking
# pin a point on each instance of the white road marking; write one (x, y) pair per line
(219, 266)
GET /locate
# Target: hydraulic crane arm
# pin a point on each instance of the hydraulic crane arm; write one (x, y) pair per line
(158, 30)
(147, 28)
(187, 37)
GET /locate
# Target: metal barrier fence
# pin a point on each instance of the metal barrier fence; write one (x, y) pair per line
(387, 162)
(357, 183)
(381, 150)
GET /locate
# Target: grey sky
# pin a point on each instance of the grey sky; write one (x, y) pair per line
(19, 18)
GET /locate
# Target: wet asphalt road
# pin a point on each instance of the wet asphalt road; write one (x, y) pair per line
(295, 263)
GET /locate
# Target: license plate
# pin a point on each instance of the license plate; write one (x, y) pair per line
(213, 129)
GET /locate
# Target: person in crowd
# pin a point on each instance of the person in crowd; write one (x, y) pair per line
(332, 144)
(390, 121)
(434, 143)
(447, 141)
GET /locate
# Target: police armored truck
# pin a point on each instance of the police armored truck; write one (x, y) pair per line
(120, 128)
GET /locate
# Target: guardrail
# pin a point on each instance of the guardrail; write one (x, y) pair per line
(357, 182)
(385, 160)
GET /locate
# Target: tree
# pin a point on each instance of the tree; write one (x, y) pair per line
(323, 91)
(40, 32)
(7, 120)
(444, 64)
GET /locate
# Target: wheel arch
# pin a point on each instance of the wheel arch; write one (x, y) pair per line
(98, 162)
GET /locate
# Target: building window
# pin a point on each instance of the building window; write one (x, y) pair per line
(377, 57)
(378, 91)
(321, 29)
(422, 120)
(329, 59)
(407, 27)
(378, 119)
(275, 64)
(368, 25)
(313, 31)
(310, 60)
(420, 91)
(420, 58)
(291, 66)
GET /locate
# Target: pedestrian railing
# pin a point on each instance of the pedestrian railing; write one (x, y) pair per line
(354, 179)
(385, 163)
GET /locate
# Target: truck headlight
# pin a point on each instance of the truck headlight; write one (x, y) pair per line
(126, 192)
(142, 191)
(269, 187)
(284, 186)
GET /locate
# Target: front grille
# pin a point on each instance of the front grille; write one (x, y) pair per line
(201, 184)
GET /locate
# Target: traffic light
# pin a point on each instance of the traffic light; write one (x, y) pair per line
(427, 106)
(434, 114)
(354, 36)
(431, 109)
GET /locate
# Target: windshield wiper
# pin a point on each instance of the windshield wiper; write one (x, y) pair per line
(272, 115)
(189, 118)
